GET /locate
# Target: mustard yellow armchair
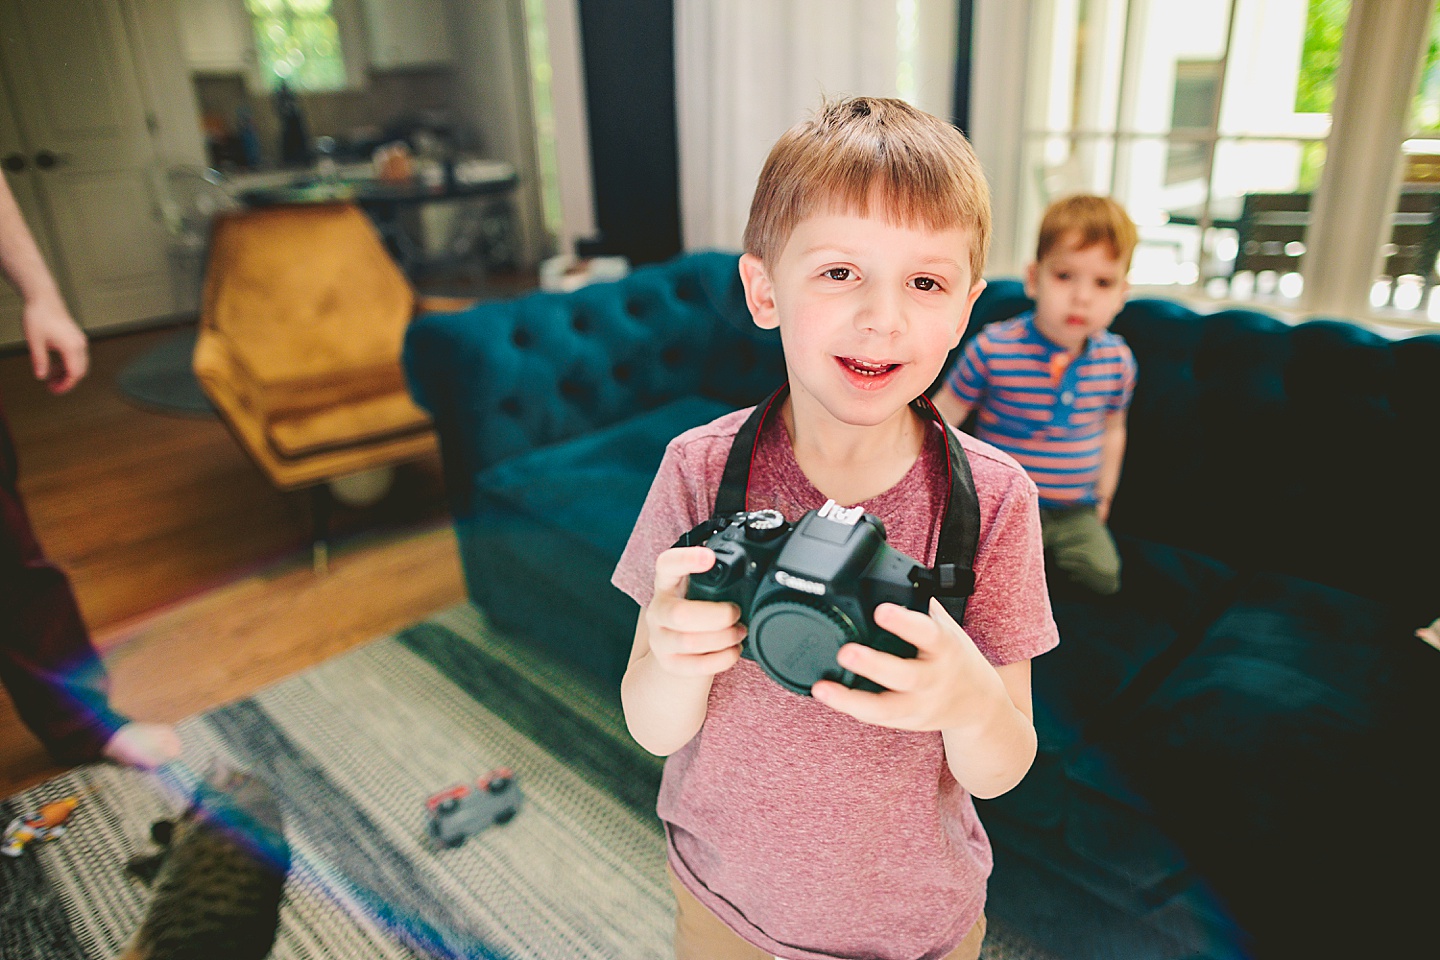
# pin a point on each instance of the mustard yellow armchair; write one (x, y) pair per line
(301, 324)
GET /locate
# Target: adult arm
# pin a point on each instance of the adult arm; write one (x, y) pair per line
(46, 320)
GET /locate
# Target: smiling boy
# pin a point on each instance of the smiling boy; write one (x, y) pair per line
(841, 824)
(1053, 384)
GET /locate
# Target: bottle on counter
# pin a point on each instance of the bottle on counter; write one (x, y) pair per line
(294, 139)
(249, 139)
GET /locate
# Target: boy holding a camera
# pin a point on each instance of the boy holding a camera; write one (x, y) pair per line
(840, 824)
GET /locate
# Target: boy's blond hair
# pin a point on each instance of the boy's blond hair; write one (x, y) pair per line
(854, 151)
(1094, 219)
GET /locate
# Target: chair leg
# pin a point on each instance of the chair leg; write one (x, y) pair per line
(320, 506)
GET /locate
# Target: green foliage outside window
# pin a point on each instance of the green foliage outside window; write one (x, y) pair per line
(1320, 56)
(1320, 60)
(298, 41)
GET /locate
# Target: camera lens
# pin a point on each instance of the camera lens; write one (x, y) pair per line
(795, 641)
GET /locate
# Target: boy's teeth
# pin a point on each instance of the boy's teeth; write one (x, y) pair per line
(869, 369)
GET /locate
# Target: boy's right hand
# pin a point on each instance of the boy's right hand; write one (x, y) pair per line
(690, 638)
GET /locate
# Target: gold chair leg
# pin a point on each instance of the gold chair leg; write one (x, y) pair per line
(320, 504)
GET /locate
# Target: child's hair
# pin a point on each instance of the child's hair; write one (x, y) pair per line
(858, 150)
(1095, 219)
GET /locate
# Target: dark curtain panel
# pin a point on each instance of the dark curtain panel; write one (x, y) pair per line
(629, 51)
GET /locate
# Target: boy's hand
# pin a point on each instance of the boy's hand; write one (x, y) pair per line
(949, 683)
(690, 638)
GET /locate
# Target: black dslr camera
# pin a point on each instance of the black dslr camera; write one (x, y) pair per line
(806, 589)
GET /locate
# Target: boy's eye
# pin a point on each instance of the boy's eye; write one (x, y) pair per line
(1102, 282)
(1062, 274)
(926, 283)
(838, 273)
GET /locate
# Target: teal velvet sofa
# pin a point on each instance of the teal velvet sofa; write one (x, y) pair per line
(1237, 751)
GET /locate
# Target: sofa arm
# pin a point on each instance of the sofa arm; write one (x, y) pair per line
(503, 377)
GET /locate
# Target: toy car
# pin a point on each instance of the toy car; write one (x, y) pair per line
(462, 810)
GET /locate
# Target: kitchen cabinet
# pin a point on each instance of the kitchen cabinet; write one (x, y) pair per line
(215, 35)
(407, 33)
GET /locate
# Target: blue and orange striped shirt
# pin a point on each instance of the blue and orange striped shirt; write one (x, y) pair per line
(1052, 424)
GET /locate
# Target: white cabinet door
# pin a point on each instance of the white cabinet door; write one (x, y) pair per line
(77, 98)
(407, 33)
(215, 35)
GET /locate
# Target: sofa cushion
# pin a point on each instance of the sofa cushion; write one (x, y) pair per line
(545, 530)
(1285, 757)
(593, 486)
(1107, 644)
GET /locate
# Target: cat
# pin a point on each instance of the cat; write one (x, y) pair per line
(219, 879)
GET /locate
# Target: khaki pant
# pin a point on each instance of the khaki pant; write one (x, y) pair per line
(700, 935)
(1081, 547)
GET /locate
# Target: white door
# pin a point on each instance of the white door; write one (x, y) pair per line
(81, 113)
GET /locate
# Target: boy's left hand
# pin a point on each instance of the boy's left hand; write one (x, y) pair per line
(948, 684)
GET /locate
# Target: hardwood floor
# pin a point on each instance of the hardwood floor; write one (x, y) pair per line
(191, 570)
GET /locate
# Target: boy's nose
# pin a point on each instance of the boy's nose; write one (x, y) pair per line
(883, 312)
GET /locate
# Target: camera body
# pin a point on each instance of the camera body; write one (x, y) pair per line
(805, 589)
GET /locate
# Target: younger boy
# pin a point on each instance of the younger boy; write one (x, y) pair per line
(841, 824)
(1053, 384)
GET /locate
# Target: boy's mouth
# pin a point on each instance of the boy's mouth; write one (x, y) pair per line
(1075, 320)
(867, 369)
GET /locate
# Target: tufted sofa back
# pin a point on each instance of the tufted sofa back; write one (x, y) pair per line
(504, 377)
(1311, 449)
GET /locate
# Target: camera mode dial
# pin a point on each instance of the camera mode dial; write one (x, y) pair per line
(763, 525)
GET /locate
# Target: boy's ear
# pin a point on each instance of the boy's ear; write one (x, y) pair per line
(974, 295)
(759, 292)
(1031, 273)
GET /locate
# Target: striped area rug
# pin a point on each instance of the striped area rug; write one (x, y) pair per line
(355, 746)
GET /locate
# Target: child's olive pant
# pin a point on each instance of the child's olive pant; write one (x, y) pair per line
(1081, 547)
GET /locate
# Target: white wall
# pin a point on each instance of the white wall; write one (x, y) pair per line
(493, 97)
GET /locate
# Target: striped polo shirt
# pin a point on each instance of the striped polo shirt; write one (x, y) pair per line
(1052, 426)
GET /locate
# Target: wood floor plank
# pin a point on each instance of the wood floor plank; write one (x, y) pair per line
(191, 570)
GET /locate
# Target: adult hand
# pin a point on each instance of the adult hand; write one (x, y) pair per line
(948, 684)
(690, 638)
(49, 328)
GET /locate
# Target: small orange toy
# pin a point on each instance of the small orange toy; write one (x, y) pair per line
(47, 823)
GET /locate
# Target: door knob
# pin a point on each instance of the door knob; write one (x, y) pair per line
(47, 160)
(13, 162)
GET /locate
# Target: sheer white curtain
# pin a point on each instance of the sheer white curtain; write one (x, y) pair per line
(745, 70)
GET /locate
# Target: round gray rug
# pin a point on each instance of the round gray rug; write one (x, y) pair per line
(161, 379)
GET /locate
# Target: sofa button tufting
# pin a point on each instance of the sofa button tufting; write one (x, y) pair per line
(671, 356)
(634, 307)
(621, 372)
(580, 323)
(687, 292)
(521, 337)
(510, 406)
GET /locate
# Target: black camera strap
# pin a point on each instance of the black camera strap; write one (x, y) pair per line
(959, 522)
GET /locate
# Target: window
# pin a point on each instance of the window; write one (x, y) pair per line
(298, 42)
(1212, 122)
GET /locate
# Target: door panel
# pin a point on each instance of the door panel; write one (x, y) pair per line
(22, 185)
(77, 97)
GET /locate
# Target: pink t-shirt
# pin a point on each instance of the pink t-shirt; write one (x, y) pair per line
(809, 833)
